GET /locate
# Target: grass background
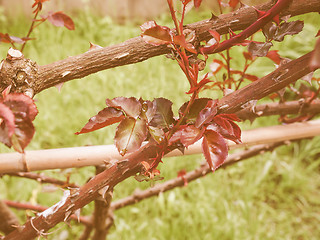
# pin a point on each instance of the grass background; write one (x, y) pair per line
(272, 196)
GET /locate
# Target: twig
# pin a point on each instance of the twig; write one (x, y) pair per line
(190, 176)
(278, 79)
(43, 179)
(292, 107)
(102, 215)
(254, 27)
(136, 50)
(39, 208)
(8, 220)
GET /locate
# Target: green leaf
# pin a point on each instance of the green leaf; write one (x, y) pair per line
(163, 116)
(214, 149)
(130, 106)
(130, 134)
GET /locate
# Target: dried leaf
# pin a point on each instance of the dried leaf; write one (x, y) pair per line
(105, 117)
(130, 134)
(214, 148)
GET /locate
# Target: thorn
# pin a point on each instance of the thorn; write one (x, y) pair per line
(77, 213)
(103, 191)
(213, 17)
(70, 206)
(67, 215)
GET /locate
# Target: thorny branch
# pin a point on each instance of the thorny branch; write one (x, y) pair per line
(190, 176)
(43, 179)
(133, 51)
(130, 166)
(39, 208)
(136, 50)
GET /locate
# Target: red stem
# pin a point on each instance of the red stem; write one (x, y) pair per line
(30, 29)
(253, 28)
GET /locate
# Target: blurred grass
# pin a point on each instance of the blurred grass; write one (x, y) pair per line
(271, 196)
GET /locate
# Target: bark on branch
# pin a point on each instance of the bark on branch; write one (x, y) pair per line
(136, 50)
(190, 176)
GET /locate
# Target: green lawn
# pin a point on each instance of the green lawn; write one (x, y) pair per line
(271, 196)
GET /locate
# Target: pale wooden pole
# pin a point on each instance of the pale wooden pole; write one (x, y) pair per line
(96, 155)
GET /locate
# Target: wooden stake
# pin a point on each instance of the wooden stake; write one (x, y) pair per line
(97, 155)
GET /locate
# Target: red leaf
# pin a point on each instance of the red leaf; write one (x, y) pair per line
(206, 114)
(318, 34)
(130, 134)
(156, 133)
(230, 116)
(251, 77)
(259, 49)
(24, 111)
(197, 3)
(163, 117)
(130, 106)
(21, 105)
(105, 117)
(181, 41)
(23, 135)
(187, 135)
(233, 3)
(215, 35)
(154, 34)
(214, 148)
(5, 38)
(60, 19)
(288, 28)
(274, 56)
(7, 119)
(247, 56)
(197, 106)
(226, 127)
